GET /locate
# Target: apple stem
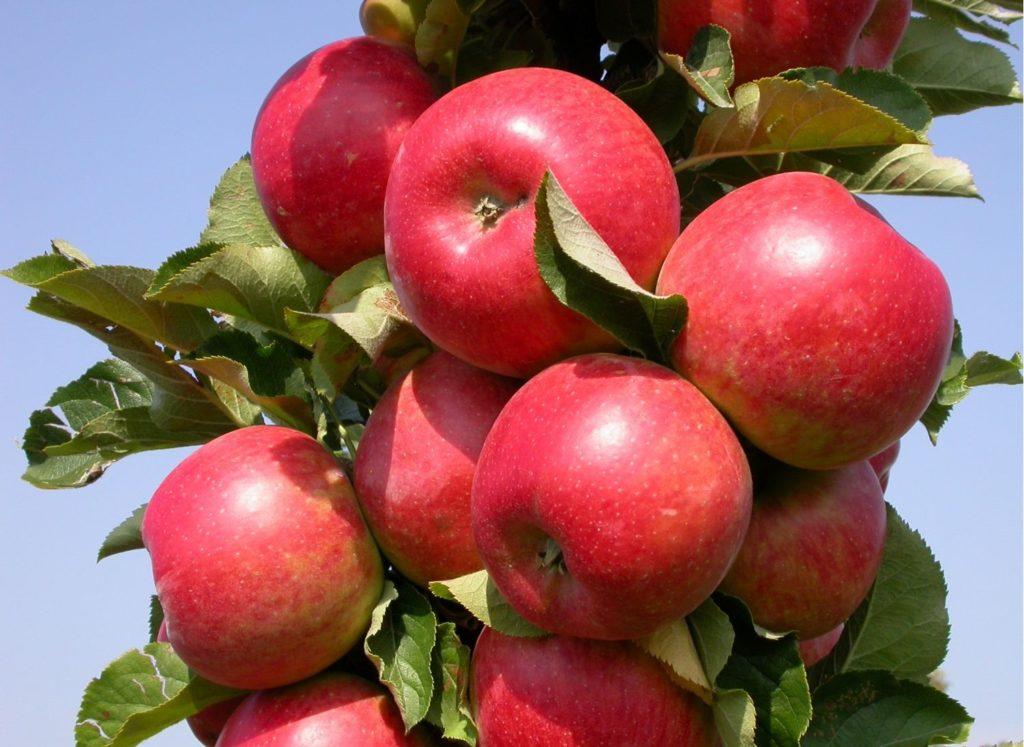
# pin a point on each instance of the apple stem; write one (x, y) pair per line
(551, 556)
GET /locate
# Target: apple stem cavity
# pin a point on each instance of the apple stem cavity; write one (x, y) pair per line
(551, 556)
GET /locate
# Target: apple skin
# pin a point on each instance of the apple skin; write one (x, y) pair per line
(323, 144)
(459, 215)
(331, 710)
(415, 464)
(816, 328)
(814, 650)
(209, 722)
(392, 20)
(813, 548)
(570, 692)
(262, 562)
(631, 475)
(769, 36)
(882, 463)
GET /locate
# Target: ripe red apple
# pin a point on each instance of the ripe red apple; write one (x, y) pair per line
(415, 464)
(262, 562)
(769, 36)
(570, 692)
(882, 463)
(332, 710)
(459, 215)
(814, 650)
(323, 144)
(209, 722)
(393, 20)
(610, 498)
(816, 328)
(813, 548)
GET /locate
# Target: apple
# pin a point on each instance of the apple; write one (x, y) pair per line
(816, 328)
(769, 36)
(209, 722)
(323, 144)
(459, 215)
(610, 497)
(813, 548)
(569, 692)
(814, 650)
(415, 464)
(393, 20)
(332, 710)
(262, 562)
(882, 463)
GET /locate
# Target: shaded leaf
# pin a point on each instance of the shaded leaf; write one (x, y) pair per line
(125, 536)
(902, 626)
(619, 20)
(661, 102)
(450, 710)
(708, 66)
(584, 274)
(956, 13)
(735, 718)
(156, 617)
(876, 708)
(478, 594)
(713, 636)
(954, 74)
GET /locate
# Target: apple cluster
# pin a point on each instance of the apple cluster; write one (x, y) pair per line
(605, 495)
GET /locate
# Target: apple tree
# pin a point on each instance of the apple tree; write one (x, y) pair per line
(552, 338)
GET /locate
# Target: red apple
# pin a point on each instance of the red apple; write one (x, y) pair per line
(813, 548)
(323, 144)
(209, 722)
(814, 650)
(570, 692)
(262, 562)
(769, 36)
(415, 464)
(882, 463)
(459, 215)
(333, 710)
(816, 328)
(393, 20)
(610, 498)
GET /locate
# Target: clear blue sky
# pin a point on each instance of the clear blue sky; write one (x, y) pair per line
(117, 120)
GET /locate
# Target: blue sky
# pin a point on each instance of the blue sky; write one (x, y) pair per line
(118, 119)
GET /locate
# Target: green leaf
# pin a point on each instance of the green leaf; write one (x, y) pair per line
(478, 594)
(772, 672)
(775, 117)
(708, 66)
(265, 374)
(586, 276)
(140, 694)
(713, 636)
(116, 294)
(125, 536)
(400, 643)
(953, 74)
(661, 102)
(902, 626)
(964, 14)
(673, 645)
(619, 20)
(735, 718)
(450, 710)
(256, 283)
(110, 412)
(156, 617)
(907, 170)
(961, 375)
(884, 91)
(236, 215)
(876, 708)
